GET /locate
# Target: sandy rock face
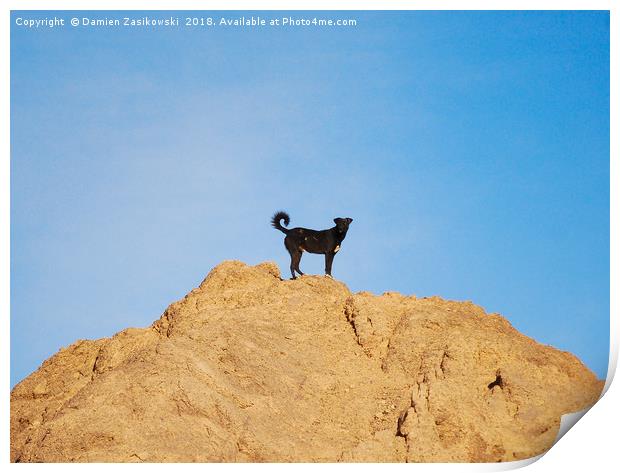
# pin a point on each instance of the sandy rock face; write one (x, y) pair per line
(250, 368)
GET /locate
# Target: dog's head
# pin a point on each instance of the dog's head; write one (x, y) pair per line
(342, 224)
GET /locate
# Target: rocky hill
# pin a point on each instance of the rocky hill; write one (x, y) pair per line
(250, 368)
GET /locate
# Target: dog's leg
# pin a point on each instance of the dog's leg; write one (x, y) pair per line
(295, 263)
(329, 258)
(291, 247)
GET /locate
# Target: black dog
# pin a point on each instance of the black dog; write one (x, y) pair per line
(325, 242)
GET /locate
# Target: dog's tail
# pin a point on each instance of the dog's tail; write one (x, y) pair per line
(275, 221)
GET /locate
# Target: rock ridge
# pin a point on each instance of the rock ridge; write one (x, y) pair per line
(248, 367)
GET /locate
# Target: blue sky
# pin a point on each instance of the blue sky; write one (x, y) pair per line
(470, 148)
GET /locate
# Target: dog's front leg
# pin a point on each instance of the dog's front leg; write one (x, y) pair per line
(329, 258)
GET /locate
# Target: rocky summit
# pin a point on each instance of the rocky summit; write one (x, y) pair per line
(250, 368)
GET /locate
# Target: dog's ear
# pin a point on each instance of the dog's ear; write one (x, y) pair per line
(336, 220)
(349, 219)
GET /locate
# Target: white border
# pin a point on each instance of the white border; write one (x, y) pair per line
(311, 5)
(590, 445)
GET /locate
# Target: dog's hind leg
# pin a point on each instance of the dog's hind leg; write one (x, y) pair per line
(295, 259)
(293, 264)
(291, 247)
